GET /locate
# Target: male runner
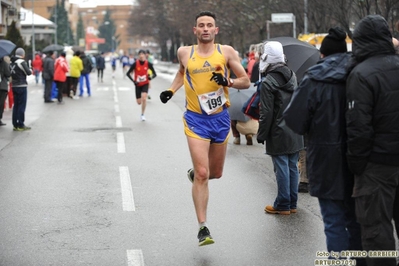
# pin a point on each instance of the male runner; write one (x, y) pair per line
(205, 71)
(141, 79)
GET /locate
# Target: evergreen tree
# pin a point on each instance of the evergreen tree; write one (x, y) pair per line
(80, 31)
(14, 35)
(108, 31)
(60, 18)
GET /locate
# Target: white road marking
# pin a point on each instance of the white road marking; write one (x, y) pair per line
(118, 121)
(124, 88)
(116, 107)
(127, 192)
(135, 257)
(121, 142)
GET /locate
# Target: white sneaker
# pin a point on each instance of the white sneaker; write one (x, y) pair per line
(142, 118)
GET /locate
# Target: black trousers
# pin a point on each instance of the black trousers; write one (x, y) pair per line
(3, 97)
(48, 86)
(376, 193)
(61, 88)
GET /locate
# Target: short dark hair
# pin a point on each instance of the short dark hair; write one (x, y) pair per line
(77, 53)
(205, 13)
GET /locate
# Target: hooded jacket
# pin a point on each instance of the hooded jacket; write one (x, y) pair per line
(37, 63)
(373, 97)
(60, 69)
(19, 70)
(75, 66)
(275, 94)
(317, 110)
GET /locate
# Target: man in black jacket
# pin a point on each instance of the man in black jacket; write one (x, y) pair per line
(317, 109)
(19, 70)
(372, 120)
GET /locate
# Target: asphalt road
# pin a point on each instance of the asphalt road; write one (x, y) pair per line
(91, 184)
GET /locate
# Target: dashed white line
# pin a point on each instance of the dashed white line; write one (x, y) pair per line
(120, 139)
(135, 257)
(118, 121)
(127, 191)
(116, 108)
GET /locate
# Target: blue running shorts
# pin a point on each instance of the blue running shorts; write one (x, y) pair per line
(214, 128)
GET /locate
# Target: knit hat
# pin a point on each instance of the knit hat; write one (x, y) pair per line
(334, 42)
(20, 51)
(272, 54)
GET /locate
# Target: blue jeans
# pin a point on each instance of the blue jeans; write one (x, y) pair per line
(286, 170)
(18, 111)
(340, 226)
(37, 75)
(85, 77)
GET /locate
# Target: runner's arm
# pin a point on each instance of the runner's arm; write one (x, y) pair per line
(128, 73)
(151, 66)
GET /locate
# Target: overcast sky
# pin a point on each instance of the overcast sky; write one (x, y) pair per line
(93, 3)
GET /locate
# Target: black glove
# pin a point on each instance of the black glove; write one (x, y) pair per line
(149, 77)
(135, 82)
(166, 95)
(219, 79)
(260, 141)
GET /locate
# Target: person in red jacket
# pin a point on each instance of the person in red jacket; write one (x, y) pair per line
(141, 79)
(60, 70)
(37, 66)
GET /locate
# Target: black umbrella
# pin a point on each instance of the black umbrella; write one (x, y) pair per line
(52, 48)
(6, 47)
(300, 55)
(237, 100)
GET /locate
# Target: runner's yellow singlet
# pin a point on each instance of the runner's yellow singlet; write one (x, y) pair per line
(198, 86)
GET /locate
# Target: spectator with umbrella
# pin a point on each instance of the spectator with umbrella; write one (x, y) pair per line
(4, 75)
(6, 48)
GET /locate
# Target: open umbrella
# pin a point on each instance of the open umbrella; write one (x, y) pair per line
(237, 100)
(52, 48)
(300, 55)
(6, 48)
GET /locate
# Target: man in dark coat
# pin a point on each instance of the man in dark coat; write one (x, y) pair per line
(282, 144)
(372, 121)
(317, 109)
(100, 64)
(48, 76)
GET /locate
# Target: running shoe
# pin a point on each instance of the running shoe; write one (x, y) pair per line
(204, 237)
(190, 175)
(18, 129)
(142, 118)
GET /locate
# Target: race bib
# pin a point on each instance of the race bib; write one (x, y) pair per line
(141, 78)
(212, 101)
